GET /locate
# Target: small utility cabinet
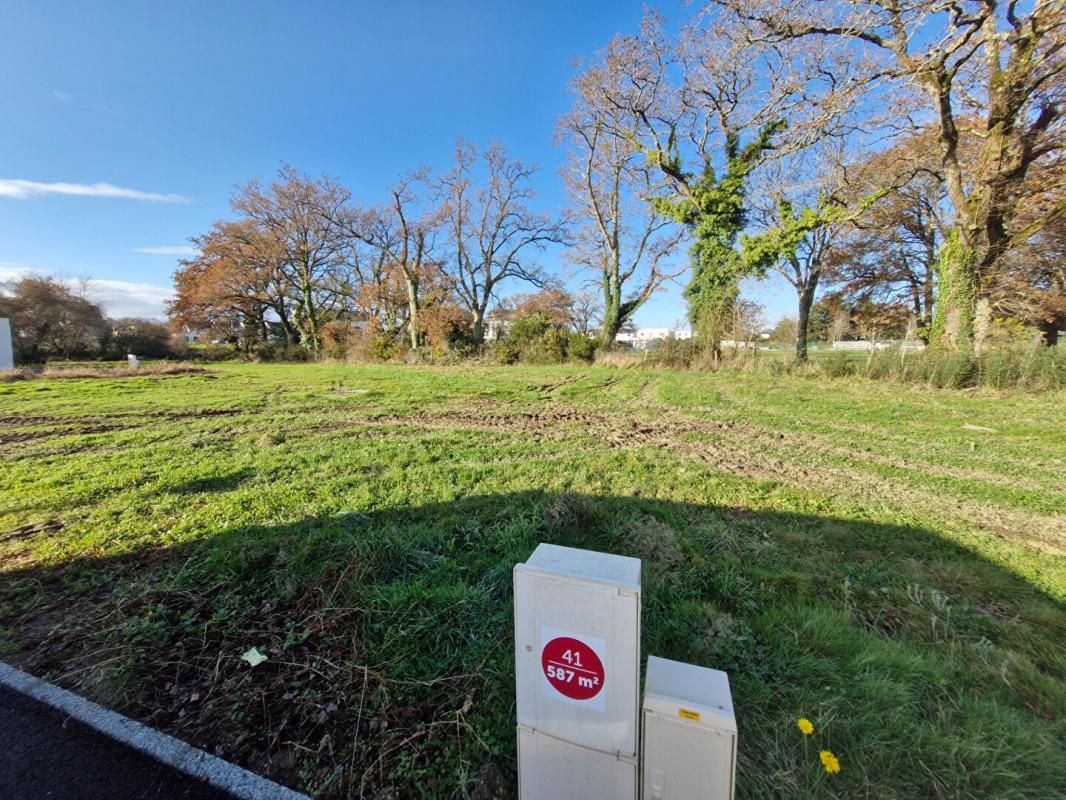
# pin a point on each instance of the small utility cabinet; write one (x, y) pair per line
(689, 748)
(577, 650)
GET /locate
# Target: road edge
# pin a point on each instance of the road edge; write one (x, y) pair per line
(173, 752)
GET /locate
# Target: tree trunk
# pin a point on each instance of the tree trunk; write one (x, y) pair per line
(612, 320)
(609, 331)
(928, 291)
(1049, 332)
(478, 332)
(310, 333)
(805, 295)
(290, 333)
(956, 305)
(412, 309)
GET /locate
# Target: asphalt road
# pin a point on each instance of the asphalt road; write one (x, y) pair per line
(45, 755)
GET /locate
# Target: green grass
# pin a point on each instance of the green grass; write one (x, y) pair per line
(885, 560)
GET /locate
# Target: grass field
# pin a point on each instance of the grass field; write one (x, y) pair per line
(886, 561)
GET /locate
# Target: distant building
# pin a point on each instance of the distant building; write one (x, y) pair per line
(498, 324)
(645, 338)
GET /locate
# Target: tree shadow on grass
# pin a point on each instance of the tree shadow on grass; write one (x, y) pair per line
(214, 484)
(388, 638)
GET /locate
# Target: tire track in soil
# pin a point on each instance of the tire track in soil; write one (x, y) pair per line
(746, 451)
(101, 423)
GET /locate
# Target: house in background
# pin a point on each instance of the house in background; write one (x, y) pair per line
(498, 323)
(646, 338)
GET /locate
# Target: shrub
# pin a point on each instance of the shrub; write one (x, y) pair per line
(278, 351)
(528, 330)
(338, 338)
(376, 346)
(506, 352)
(267, 351)
(778, 367)
(676, 353)
(550, 348)
(582, 348)
(959, 371)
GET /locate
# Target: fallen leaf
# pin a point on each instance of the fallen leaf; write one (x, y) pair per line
(253, 657)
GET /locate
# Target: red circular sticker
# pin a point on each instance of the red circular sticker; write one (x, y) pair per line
(572, 668)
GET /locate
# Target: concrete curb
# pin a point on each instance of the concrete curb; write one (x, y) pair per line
(173, 752)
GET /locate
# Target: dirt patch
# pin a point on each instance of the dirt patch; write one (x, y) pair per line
(27, 531)
(27, 422)
(749, 452)
(202, 413)
(28, 436)
(148, 370)
(548, 389)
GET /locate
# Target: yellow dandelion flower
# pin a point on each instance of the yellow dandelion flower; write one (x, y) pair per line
(805, 726)
(830, 762)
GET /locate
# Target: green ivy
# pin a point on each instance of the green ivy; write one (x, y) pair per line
(760, 252)
(953, 322)
(714, 209)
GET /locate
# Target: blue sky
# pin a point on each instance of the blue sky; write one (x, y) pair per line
(171, 105)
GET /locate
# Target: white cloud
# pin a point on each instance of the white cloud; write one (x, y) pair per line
(119, 298)
(126, 299)
(18, 189)
(12, 272)
(180, 250)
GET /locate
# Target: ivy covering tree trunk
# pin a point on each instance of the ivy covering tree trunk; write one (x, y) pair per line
(612, 315)
(715, 211)
(956, 304)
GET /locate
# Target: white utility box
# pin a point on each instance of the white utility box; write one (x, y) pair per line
(577, 651)
(551, 768)
(7, 352)
(689, 745)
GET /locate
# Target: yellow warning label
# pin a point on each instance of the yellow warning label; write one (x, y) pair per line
(684, 713)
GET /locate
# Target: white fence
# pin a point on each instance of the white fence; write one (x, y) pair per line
(865, 347)
(730, 344)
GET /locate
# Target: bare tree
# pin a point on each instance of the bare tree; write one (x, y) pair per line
(373, 288)
(403, 231)
(491, 229)
(799, 220)
(623, 236)
(587, 312)
(839, 322)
